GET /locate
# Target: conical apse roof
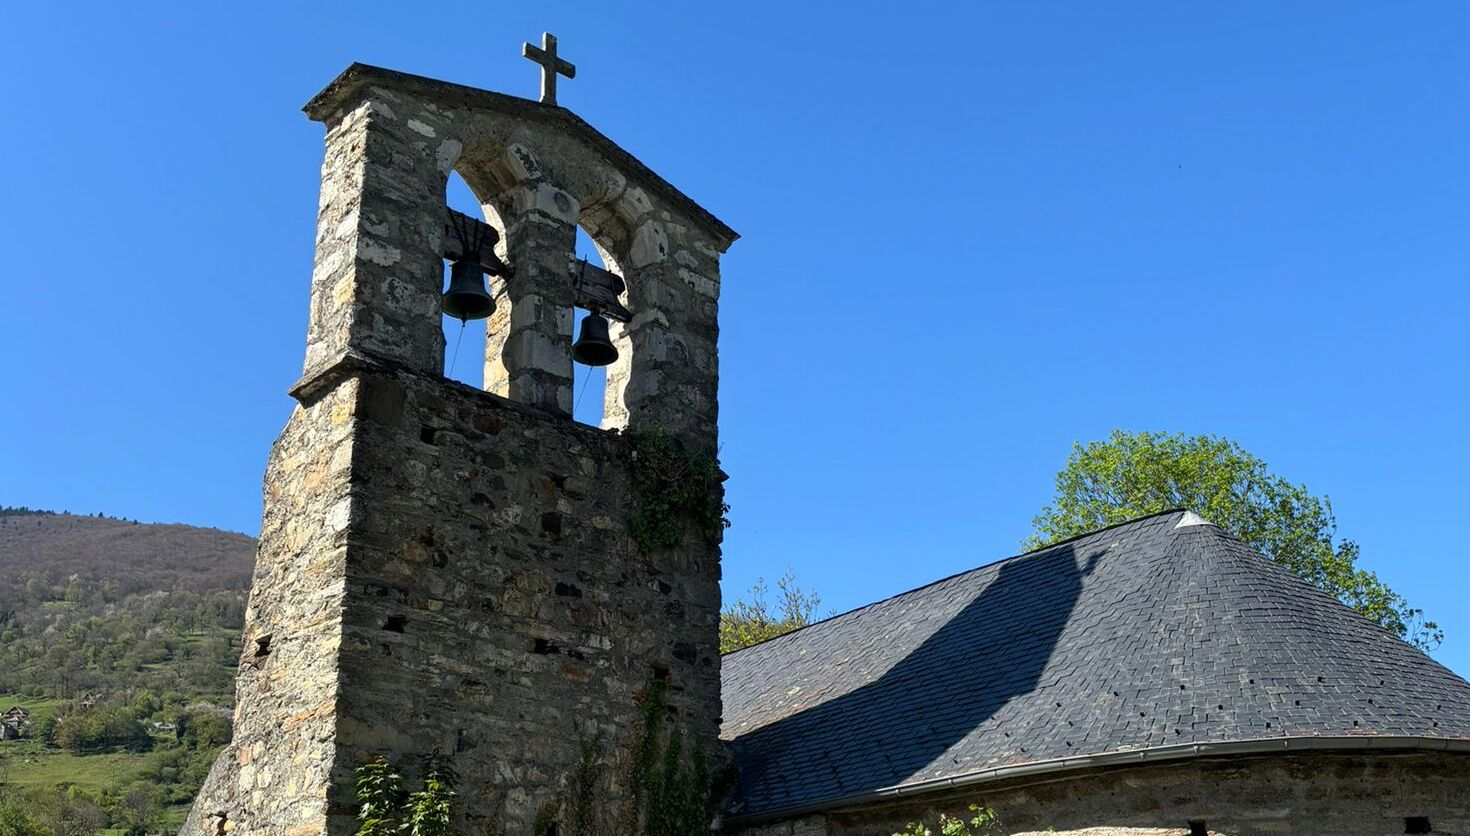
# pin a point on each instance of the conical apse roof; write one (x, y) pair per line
(1159, 637)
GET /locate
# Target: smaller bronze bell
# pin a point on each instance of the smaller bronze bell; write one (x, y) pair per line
(466, 297)
(593, 347)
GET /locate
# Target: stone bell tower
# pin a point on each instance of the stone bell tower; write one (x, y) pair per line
(444, 568)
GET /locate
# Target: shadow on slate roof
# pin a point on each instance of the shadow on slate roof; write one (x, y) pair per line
(1142, 636)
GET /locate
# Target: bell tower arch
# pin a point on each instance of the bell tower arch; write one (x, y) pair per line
(451, 568)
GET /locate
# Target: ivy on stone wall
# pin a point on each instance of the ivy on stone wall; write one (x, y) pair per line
(669, 791)
(674, 488)
(545, 823)
(584, 789)
(672, 795)
(666, 791)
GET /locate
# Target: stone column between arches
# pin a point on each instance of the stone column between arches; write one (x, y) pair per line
(528, 348)
(667, 374)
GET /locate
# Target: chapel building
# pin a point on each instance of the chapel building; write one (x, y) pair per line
(467, 574)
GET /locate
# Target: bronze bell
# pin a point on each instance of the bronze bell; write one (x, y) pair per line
(593, 347)
(466, 297)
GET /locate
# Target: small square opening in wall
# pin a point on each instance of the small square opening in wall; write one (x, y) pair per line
(1197, 828)
(1417, 824)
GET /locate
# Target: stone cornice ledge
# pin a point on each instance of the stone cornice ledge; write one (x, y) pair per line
(330, 374)
(345, 88)
(1138, 757)
(318, 381)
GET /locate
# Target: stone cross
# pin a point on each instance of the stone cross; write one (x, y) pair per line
(551, 65)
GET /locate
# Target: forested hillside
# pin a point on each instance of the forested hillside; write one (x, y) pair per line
(119, 640)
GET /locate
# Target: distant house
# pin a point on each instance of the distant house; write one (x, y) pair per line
(89, 699)
(14, 723)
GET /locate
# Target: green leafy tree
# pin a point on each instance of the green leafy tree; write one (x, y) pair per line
(203, 727)
(102, 728)
(1132, 474)
(753, 619)
(136, 812)
(15, 822)
(47, 730)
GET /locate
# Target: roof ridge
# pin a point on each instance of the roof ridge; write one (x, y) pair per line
(1248, 555)
(950, 577)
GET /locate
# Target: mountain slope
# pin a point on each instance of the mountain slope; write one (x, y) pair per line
(122, 640)
(136, 557)
(98, 604)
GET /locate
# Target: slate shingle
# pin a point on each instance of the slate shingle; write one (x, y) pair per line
(1138, 636)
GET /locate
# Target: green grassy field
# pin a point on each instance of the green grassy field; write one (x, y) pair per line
(42, 767)
(28, 763)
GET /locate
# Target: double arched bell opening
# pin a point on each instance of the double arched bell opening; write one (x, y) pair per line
(467, 297)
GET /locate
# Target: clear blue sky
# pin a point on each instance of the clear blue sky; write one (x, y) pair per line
(974, 234)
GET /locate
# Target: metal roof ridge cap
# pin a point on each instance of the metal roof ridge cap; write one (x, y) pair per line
(1263, 745)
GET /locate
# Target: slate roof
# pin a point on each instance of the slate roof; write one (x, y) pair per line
(1132, 639)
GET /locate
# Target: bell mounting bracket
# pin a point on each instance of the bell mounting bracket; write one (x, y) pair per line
(595, 289)
(598, 291)
(470, 239)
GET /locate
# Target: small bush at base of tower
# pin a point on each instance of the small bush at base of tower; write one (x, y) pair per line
(386, 808)
(982, 821)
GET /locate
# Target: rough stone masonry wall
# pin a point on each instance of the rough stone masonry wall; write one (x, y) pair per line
(1306, 795)
(496, 606)
(287, 684)
(444, 569)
